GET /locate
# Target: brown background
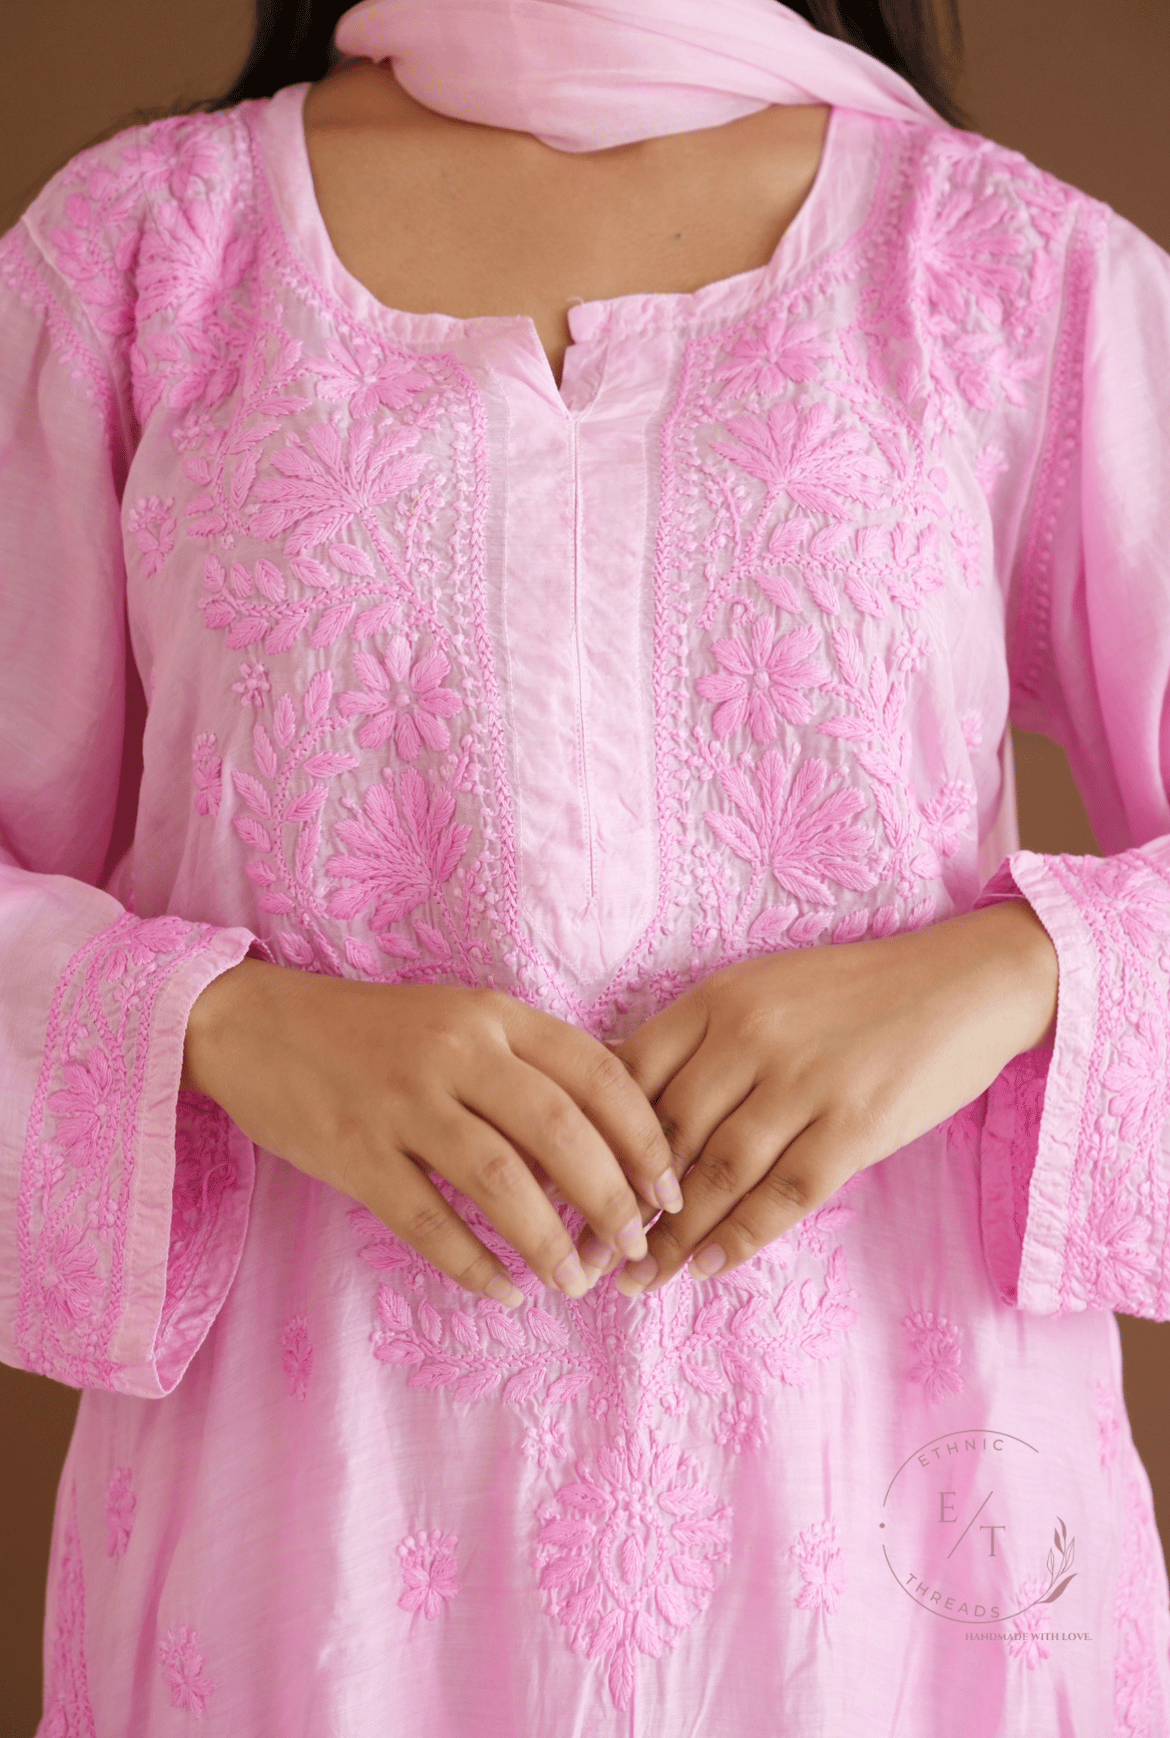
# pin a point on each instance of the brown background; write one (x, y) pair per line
(1080, 86)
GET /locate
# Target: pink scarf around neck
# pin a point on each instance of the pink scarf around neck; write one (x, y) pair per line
(584, 76)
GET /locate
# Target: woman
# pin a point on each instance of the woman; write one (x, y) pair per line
(587, 486)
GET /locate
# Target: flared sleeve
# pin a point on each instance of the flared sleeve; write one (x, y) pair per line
(1075, 1138)
(123, 1207)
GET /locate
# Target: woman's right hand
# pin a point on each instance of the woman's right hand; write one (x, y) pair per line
(368, 1086)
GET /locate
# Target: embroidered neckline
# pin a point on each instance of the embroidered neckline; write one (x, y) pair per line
(815, 231)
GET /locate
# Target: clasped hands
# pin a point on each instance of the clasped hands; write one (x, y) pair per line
(776, 1079)
(730, 1115)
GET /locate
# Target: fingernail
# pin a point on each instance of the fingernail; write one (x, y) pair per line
(709, 1260)
(504, 1291)
(593, 1274)
(637, 1274)
(570, 1276)
(593, 1252)
(631, 1239)
(667, 1193)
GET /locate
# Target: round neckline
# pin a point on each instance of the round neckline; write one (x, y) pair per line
(290, 177)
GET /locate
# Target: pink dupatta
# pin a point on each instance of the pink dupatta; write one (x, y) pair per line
(583, 77)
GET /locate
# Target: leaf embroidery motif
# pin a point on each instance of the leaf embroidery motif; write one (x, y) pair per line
(798, 826)
(821, 466)
(403, 848)
(1002, 248)
(324, 487)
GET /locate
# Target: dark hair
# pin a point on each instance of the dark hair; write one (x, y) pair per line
(292, 41)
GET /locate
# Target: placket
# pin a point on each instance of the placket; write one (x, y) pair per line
(577, 630)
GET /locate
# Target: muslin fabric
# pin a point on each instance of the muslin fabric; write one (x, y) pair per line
(453, 676)
(583, 76)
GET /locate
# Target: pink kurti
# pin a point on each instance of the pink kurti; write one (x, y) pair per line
(456, 677)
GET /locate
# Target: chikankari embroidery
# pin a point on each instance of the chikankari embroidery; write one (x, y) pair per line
(80, 1151)
(68, 1713)
(430, 1578)
(120, 1504)
(182, 1665)
(296, 1356)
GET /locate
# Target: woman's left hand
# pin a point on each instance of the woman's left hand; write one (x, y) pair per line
(777, 1078)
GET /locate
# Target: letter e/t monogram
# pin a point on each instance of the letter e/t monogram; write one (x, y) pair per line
(986, 1528)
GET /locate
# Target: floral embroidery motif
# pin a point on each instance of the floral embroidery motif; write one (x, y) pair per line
(946, 815)
(253, 686)
(430, 1579)
(802, 473)
(345, 470)
(182, 1663)
(68, 1712)
(1026, 1643)
(207, 772)
(817, 1554)
(739, 1427)
(120, 1504)
(413, 714)
(768, 356)
(350, 504)
(78, 1166)
(801, 478)
(762, 677)
(627, 1553)
(153, 524)
(1127, 1079)
(937, 1353)
(366, 379)
(296, 1356)
(720, 1344)
(544, 1441)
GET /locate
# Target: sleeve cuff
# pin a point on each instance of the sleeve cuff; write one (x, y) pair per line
(134, 1197)
(1073, 1180)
